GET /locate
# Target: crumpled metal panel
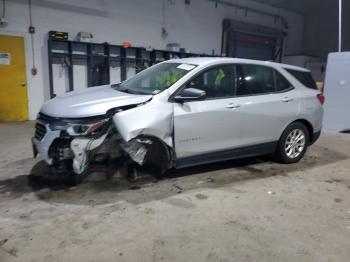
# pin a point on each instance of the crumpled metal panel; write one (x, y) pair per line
(152, 119)
(137, 149)
(81, 147)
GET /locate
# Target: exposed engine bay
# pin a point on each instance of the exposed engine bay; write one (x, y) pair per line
(75, 144)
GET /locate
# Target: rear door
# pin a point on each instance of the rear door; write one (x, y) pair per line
(268, 103)
(212, 125)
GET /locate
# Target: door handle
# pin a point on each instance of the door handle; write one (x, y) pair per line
(232, 106)
(23, 84)
(287, 99)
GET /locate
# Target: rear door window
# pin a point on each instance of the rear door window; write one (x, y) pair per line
(303, 77)
(255, 79)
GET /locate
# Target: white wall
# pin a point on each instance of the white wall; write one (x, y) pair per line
(197, 27)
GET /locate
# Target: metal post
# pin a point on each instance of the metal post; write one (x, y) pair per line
(70, 67)
(340, 25)
(49, 48)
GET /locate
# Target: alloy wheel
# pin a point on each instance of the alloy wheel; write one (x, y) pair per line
(295, 143)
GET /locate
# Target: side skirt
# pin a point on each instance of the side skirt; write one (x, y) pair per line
(249, 151)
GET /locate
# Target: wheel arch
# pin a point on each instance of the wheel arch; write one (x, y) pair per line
(158, 152)
(307, 124)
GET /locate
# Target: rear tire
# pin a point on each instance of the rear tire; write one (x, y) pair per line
(293, 143)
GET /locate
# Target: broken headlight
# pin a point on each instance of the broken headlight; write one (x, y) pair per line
(80, 129)
(87, 129)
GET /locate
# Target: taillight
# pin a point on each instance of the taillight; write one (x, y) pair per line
(320, 98)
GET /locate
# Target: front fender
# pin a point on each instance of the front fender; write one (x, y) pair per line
(152, 119)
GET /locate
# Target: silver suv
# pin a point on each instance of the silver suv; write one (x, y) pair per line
(184, 112)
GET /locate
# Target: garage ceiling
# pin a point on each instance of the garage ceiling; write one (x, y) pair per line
(303, 6)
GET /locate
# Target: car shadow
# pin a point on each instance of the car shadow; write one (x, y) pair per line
(102, 187)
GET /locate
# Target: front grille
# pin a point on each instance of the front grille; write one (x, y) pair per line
(40, 131)
(40, 128)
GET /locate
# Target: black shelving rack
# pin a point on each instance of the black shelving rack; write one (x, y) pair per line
(99, 57)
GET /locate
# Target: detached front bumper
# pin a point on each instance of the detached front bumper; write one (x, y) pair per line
(58, 146)
(43, 139)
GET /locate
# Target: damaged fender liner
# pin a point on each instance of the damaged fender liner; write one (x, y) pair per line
(149, 151)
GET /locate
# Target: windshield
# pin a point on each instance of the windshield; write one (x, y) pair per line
(154, 79)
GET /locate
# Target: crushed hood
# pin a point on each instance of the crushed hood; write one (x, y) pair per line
(90, 102)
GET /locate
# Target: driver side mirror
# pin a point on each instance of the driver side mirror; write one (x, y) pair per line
(190, 94)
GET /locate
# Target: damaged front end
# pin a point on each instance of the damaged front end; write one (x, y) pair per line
(73, 145)
(70, 144)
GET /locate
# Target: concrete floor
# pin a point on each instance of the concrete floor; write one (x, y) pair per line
(247, 210)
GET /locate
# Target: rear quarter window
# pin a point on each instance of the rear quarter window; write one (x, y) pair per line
(282, 84)
(303, 77)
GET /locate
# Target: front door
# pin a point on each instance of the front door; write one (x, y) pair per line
(13, 82)
(212, 125)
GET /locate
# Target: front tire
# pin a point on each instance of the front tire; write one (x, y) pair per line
(293, 143)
